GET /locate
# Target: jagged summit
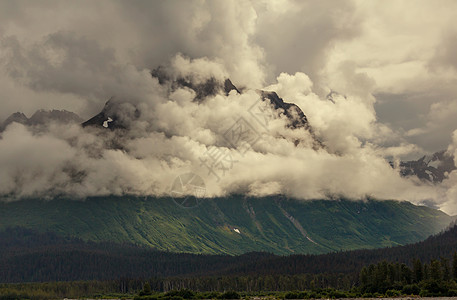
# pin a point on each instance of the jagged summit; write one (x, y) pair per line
(17, 117)
(433, 168)
(291, 110)
(208, 87)
(42, 117)
(212, 86)
(116, 114)
(110, 117)
(229, 86)
(61, 116)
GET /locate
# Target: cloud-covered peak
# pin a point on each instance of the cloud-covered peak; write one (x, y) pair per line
(388, 63)
(42, 117)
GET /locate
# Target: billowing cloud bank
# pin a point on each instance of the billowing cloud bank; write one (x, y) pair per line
(175, 134)
(78, 61)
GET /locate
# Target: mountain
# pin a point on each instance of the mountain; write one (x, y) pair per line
(112, 115)
(291, 110)
(17, 117)
(432, 168)
(42, 117)
(232, 225)
(202, 89)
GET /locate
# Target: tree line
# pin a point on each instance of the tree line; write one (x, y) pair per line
(75, 268)
(29, 256)
(436, 278)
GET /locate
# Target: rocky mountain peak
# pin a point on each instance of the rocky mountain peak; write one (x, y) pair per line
(292, 111)
(202, 89)
(17, 117)
(433, 168)
(60, 116)
(42, 117)
(114, 115)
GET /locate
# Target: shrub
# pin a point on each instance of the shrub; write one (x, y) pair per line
(291, 295)
(411, 289)
(392, 293)
(230, 295)
(184, 293)
(337, 294)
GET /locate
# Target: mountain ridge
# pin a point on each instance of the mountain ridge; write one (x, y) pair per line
(41, 117)
(232, 225)
(429, 168)
(432, 168)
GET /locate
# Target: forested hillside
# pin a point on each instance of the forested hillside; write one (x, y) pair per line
(30, 256)
(233, 225)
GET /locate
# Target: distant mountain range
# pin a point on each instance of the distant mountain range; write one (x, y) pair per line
(430, 168)
(232, 225)
(42, 117)
(433, 168)
(110, 116)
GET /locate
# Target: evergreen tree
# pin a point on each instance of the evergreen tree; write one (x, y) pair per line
(146, 289)
(406, 274)
(426, 274)
(435, 270)
(454, 266)
(364, 277)
(446, 271)
(418, 270)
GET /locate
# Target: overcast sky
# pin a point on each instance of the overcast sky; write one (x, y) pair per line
(54, 53)
(394, 63)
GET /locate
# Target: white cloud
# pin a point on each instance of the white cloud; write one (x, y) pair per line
(77, 55)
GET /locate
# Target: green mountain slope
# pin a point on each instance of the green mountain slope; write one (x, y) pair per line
(273, 224)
